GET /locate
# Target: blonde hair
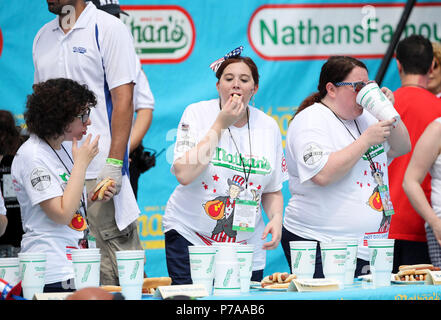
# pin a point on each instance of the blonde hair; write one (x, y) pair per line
(437, 51)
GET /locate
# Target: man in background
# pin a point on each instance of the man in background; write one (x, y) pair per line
(94, 48)
(143, 102)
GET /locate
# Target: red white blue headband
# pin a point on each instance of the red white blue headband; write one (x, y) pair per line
(236, 52)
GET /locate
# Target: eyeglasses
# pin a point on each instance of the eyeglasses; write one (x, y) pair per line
(85, 116)
(356, 86)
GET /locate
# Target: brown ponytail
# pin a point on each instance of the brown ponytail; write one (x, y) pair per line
(334, 70)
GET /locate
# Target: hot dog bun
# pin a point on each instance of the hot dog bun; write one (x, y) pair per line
(277, 280)
(98, 192)
(153, 283)
(110, 288)
(417, 267)
(415, 272)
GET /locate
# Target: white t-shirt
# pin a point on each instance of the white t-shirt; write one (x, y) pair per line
(38, 175)
(99, 52)
(195, 210)
(346, 208)
(142, 94)
(2, 204)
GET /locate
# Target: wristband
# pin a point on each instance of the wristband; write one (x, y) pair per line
(115, 162)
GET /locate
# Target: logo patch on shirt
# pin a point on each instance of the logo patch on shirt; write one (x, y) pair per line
(40, 179)
(312, 153)
(79, 50)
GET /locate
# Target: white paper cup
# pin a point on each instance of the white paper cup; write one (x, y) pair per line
(202, 264)
(131, 272)
(86, 268)
(351, 258)
(334, 260)
(245, 255)
(227, 271)
(10, 270)
(32, 269)
(381, 257)
(303, 254)
(373, 100)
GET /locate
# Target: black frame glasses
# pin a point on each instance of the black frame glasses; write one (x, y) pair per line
(356, 86)
(85, 116)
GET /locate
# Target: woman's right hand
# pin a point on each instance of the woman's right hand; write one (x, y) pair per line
(231, 111)
(378, 133)
(87, 151)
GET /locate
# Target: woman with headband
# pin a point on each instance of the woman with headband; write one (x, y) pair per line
(226, 151)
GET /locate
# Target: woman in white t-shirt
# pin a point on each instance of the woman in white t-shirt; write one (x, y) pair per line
(333, 152)
(9, 141)
(49, 180)
(427, 158)
(226, 151)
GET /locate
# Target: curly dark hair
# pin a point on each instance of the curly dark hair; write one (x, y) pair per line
(9, 134)
(54, 104)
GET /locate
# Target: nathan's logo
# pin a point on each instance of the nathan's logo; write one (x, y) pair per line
(162, 34)
(316, 31)
(237, 162)
(1, 42)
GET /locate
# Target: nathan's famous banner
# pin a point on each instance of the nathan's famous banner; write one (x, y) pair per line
(176, 42)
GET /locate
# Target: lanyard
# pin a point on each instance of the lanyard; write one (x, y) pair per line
(376, 174)
(82, 201)
(237, 149)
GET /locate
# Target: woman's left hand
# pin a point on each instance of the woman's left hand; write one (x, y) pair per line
(274, 227)
(389, 94)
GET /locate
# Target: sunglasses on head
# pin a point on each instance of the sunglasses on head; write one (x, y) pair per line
(356, 86)
(85, 116)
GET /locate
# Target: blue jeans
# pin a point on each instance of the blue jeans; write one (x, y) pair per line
(287, 236)
(178, 261)
(62, 286)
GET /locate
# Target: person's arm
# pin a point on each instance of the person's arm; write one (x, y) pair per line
(62, 209)
(342, 161)
(424, 155)
(188, 167)
(122, 116)
(399, 141)
(140, 127)
(272, 204)
(3, 224)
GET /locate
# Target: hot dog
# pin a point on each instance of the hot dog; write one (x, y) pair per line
(415, 272)
(277, 280)
(150, 284)
(98, 192)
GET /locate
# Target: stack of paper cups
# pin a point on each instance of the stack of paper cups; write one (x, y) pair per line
(303, 254)
(351, 258)
(381, 257)
(32, 269)
(227, 274)
(10, 270)
(131, 273)
(373, 100)
(86, 264)
(202, 259)
(334, 260)
(245, 255)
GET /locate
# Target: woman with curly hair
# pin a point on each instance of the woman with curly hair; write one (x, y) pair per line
(9, 140)
(49, 179)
